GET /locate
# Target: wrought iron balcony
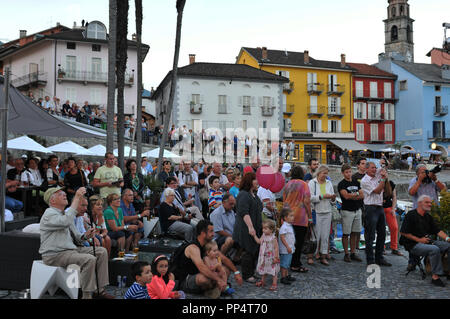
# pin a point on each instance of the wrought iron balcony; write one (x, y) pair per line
(288, 109)
(288, 87)
(336, 89)
(440, 110)
(90, 77)
(334, 111)
(30, 80)
(375, 117)
(196, 108)
(315, 88)
(316, 111)
(267, 110)
(439, 135)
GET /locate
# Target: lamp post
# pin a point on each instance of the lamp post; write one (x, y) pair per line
(4, 140)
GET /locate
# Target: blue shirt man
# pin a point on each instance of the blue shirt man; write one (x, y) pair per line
(223, 218)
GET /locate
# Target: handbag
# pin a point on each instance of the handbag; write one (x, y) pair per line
(310, 243)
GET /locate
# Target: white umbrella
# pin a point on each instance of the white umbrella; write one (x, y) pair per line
(429, 152)
(388, 150)
(26, 144)
(98, 150)
(155, 154)
(126, 152)
(70, 147)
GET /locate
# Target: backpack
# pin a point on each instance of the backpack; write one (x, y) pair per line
(175, 259)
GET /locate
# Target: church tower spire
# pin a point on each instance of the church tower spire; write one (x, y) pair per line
(399, 31)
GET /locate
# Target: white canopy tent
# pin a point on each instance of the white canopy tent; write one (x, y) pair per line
(70, 147)
(98, 150)
(155, 154)
(26, 144)
(126, 152)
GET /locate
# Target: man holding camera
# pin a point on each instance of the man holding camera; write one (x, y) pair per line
(416, 232)
(426, 183)
(108, 178)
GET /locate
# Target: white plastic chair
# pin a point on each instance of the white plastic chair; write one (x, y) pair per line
(49, 278)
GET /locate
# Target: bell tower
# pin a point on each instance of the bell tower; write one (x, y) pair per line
(398, 30)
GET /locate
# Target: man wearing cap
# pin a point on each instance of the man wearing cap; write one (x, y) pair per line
(61, 243)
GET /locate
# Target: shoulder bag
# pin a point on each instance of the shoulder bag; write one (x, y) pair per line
(310, 243)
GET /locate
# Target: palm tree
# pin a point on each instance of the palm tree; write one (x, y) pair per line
(166, 117)
(111, 75)
(121, 65)
(138, 5)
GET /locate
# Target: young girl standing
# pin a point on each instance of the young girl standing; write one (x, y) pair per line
(287, 245)
(162, 282)
(212, 260)
(268, 260)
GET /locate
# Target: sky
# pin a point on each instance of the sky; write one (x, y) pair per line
(215, 30)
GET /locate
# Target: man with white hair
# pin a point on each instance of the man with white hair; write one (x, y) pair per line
(61, 243)
(417, 229)
(421, 185)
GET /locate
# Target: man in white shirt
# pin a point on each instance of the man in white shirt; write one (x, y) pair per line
(372, 185)
(223, 180)
(188, 180)
(410, 162)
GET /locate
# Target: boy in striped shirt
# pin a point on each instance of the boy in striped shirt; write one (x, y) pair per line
(215, 193)
(142, 272)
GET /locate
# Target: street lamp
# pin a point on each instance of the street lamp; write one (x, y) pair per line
(433, 146)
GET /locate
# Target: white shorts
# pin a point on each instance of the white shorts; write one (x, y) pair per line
(351, 222)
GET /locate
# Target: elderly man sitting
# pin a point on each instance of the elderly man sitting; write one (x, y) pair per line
(223, 219)
(416, 232)
(61, 243)
(131, 217)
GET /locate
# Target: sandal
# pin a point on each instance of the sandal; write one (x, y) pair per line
(310, 261)
(251, 280)
(299, 269)
(260, 283)
(273, 288)
(323, 261)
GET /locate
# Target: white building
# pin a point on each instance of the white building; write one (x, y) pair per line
(71, 65)
(223, 96)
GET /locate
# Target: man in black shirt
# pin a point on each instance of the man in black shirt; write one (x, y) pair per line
(351, 193)
(358, 176)
(416, 230)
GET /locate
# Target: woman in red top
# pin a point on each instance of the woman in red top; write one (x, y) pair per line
(163, 282)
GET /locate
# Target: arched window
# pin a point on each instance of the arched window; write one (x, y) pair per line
(408, 34)
(96, 30)
(394, 11)
(394, 33)
(401, 10)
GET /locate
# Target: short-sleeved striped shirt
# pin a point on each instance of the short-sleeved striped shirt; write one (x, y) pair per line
(136, 291)
(215, 197)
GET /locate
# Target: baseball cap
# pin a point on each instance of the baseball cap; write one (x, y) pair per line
(286, 168)
(49, 192)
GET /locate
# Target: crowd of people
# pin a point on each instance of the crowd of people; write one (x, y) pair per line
(225, 217)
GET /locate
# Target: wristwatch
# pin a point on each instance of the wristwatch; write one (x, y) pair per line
(237, 273)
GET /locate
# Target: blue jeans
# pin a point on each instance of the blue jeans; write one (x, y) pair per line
(375, 222)
(434, 252)
(13, 205)
(331, 241)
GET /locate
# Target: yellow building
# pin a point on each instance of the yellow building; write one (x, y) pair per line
(318, 101)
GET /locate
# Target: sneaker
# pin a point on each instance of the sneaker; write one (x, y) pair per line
(285, 280)
(290, 278)
(383, 262)
(212, 293)
(355, 257)
(347, 258)
(334, 250)
(438, 282)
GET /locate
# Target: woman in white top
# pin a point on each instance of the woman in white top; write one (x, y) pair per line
(31, 175)
(322, 194)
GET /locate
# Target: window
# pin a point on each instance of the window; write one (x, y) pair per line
(314, 126)
(246, 102)
(71, 46)
(373, 89)
(360, 111)
(374, 132)
(360, 132)
(222, 104)
(388, 132)
(389, 113)
(438, 129)
(387, 90)
(96, 30)
(437, 102)
(96, 96)
(313, 104)
(359, 87)
(71, 66)
(332, 82)
(41, 65)
(437, 88)
(333, 107)
(374, 111)
(264, 124)
(333, 128)
(403, 85)
(195, 99)
(96, 47)
(394, 33)
(97, 69)
(267, 101)
(394, 11)
(71, 94)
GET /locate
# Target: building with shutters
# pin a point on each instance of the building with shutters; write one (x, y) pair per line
(222, 96)
(317, 101)
(373, 104)
(71, 64)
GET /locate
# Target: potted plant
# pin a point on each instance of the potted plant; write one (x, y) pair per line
(153, 189)
(441, 213)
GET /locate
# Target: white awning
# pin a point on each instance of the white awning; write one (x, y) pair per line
(349, 145)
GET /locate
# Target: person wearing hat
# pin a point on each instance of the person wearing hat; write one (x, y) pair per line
(61, 243)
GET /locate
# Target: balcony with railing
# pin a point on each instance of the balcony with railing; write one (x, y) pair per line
(90, 77)
(336, 89)
(267, 110)
(246, 110)
(360, 96)
(316, 111)
(334, 111)
(375, 139)
(375, 117)
(288, 87)
(315, 88)
(288, 109)
(440, 110)
(196, 108)
(27, 81)
(222, 109)
(439, 136)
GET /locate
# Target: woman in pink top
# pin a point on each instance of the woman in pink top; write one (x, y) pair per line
(296, 196)
(162, 282)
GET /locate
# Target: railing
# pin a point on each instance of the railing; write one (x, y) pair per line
(222, 109)
(196, 108)
(267, 110)
(337, 89)
(334, 111)
(440, 110)
(289, 109)
(376, 117)
(288, 87)
(375, 139)
(246, 110)
(315, 88)
(89, 76)
(439, 135)
(30, 78)
(316, 110)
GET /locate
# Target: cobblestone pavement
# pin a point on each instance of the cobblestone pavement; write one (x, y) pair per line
(340, 280)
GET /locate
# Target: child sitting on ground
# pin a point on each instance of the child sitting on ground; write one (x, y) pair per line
(212, 260)
(163, 282)
(268, 259)
(142, 273)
